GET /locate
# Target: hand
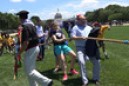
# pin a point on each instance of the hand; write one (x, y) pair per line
(64, 39)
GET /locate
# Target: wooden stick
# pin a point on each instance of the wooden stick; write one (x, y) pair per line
(110, 40)
(92, 38)
(104, 39)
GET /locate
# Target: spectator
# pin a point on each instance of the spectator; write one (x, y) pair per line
(41, 36)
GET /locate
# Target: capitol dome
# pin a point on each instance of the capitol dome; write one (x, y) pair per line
(58, 15)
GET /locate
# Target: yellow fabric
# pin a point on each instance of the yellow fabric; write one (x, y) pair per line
(0, 40)
(1, 44)
(0, 37)
(102, 30)
(10, 41)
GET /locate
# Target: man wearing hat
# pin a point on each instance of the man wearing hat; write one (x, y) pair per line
(23, 15)
(29, 44)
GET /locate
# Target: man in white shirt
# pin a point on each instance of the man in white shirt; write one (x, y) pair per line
(41, 36)
(79, 33)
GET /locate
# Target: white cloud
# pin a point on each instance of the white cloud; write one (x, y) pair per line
(45, 14)
(94, 4)
(100, 5)
(118, 3)
(81, 8)
(63, 9)
(83, 3)
(12, 11)
(30, 0)
(22, 0)
(15, 1)
(73, 9)
(90, 5)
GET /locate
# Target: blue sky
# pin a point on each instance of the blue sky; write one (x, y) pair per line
(46, 9)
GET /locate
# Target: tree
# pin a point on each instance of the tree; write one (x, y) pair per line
(117, 16)
(90, 16)
(34, 18)
(108, 13)
(8, 21)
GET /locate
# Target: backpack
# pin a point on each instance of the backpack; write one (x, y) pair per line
(91, 47)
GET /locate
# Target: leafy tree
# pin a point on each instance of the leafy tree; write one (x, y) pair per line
(117, 16)
(111, 12)
(34, 18)
(90, 16)
(8, 21)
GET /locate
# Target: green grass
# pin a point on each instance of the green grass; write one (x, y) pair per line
(114, 71)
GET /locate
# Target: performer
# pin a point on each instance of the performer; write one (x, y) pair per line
(102, 45)
(29, 44)
(79, 32)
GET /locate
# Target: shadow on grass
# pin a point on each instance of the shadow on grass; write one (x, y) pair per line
(72, 82)
(77, 82)
(69, 82)
(58, 76)
(52, 75)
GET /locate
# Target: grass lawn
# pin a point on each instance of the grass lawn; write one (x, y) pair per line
(114, 71)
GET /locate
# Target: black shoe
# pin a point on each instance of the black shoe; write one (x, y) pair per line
(96, 82)
(50, 83)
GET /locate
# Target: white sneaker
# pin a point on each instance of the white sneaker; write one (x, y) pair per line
(106, 55)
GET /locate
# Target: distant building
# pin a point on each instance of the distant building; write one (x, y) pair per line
(58, 15)
(58, 18)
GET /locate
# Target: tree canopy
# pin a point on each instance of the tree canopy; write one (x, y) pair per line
(8, 21)
(109, 13)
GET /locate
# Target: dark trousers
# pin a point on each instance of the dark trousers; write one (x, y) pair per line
(42, 48)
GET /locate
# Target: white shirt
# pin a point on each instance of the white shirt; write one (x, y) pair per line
(39, 31)
(80, 31)
(27, 21)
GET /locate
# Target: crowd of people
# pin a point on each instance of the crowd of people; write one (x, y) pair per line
(32, 39)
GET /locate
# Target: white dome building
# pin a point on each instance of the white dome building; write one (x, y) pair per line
(58, 15)
(58, 18)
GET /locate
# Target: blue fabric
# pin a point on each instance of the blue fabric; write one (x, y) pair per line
(41, 40)
(59, 49)
(126, 41)
(42, 47)
(66, 42)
